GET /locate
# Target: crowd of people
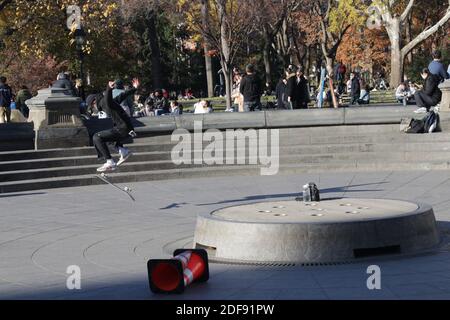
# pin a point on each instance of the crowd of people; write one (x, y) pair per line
(10, 101)
(292, 92)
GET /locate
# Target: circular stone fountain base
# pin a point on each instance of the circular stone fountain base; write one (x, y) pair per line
(329, 231)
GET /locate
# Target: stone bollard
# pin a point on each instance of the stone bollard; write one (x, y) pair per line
(445, 103)
(57, 120)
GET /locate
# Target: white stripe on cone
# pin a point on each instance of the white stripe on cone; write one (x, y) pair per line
(184, 258)
(188, 277)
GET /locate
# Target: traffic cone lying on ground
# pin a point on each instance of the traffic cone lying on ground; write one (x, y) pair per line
(174, 275)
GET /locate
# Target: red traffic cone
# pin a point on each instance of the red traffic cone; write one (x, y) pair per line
(174, 275)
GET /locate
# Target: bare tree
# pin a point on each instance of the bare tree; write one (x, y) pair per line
(207, 47)
(231, 22)
(329, 40)
(273, 18)
(395, 25)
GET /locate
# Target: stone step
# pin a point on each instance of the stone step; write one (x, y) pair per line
(86, 180)
(289, 139)
(138, 165)
(202, 172)
(74, 152)
(372, 150)
(157, 143)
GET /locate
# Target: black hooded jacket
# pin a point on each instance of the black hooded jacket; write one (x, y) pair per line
(431, 88)
(5, 95)
(251, 88)
(112, 107)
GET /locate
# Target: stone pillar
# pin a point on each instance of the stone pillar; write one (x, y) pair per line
(445, 103)
(57, 120)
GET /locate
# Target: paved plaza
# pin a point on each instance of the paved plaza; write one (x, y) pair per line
(111, 239)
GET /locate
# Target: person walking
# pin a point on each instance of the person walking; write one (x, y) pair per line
(122, 128)
(251, 89)
(297, 90)
(22, 96)
(238, 99)
(355, 90)
(281, 94)
(5, 101)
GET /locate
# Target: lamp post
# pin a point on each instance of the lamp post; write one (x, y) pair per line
(80, 40)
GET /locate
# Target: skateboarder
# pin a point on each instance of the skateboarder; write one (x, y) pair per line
(122, 129)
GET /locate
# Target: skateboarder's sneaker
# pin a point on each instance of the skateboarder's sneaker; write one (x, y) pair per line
(125, 154)
(107, 167)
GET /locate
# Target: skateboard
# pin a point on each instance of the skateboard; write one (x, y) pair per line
(103, 177)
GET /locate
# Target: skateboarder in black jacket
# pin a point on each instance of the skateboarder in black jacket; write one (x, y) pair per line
(122, 129)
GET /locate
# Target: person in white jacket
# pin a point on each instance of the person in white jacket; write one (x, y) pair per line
(403, 94)
(202, 107)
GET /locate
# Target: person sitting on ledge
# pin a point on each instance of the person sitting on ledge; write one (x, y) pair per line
(175, 108)
(203, 107)
(404, 95)
(430, 95)
(63, 82)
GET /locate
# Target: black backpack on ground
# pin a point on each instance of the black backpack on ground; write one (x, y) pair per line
(417, 126)
(315, 193)
(431, 122)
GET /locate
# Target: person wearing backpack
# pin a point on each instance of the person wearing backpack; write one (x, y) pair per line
(5, 101)
(430, 95)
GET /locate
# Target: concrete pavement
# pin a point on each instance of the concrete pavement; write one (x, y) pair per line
(111, 238)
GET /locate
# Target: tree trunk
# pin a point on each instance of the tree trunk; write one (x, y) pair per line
(228, 85)
(319, 60)
(308, 61)
(225, 49)
(396, 67)
(409, 57)
(157, 72)
(396, 53)
(208, 60)
(209, 72)
(330, 63)
(267, 63)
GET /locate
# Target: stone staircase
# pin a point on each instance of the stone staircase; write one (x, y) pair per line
(314, 149)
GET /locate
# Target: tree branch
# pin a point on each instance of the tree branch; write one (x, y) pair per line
(426, 33)
(407, 11)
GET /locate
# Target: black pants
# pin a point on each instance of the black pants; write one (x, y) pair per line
(251, 106)
(102, 138)
(299, 104)
(355, 99)
(424, 101)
